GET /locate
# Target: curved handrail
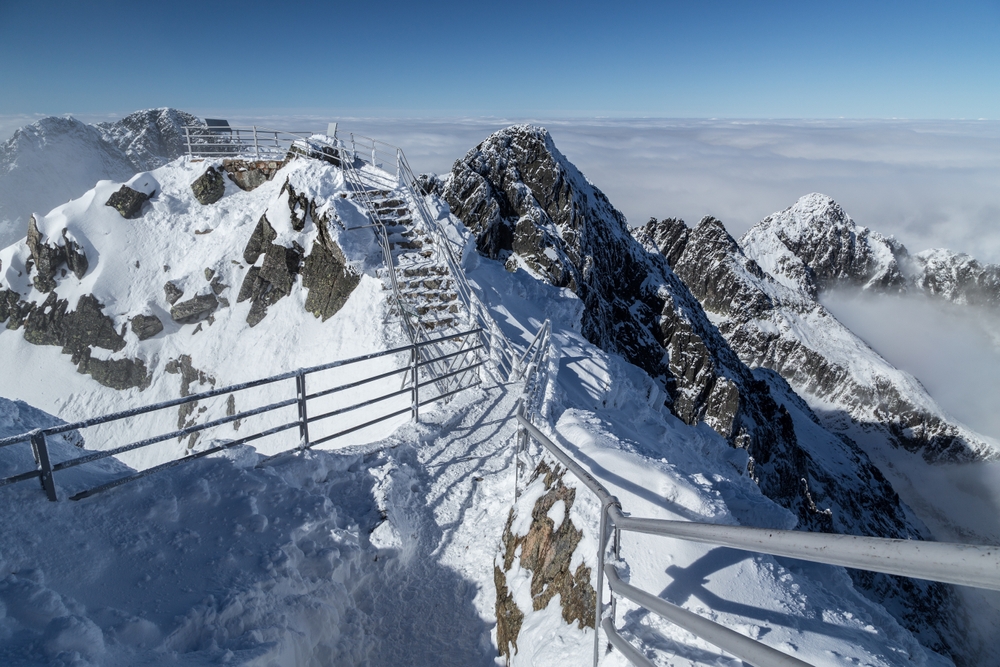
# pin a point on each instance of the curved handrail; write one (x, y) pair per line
(963, 564)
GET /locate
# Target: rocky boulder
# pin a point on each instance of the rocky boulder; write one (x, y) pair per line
(146, 326)
(327, 276)
(194, 310)
(128, 202)
(268, 283)
(209, 187)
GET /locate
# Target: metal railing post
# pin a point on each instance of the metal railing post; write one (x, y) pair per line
(256, 147)
(414, 366)
(41, 451)
(187, 139)
(300, 387)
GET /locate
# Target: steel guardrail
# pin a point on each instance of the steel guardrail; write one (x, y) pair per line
(45, 469)
(962, 564)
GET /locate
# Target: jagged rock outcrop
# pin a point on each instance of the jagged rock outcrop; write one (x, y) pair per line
(546, 551)
(327, 276)
(772, 326)
(47, 260)
(209, 187)
(268, 283)
(128, 202)
(77, 332)
(531, 207)
(325, 272)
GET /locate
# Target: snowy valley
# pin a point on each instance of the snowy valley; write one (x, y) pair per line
(698, 376)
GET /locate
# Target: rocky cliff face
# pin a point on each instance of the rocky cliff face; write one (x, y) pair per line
(530, 207)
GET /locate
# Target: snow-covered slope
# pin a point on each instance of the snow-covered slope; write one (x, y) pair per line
(165, 303)
(57, 159)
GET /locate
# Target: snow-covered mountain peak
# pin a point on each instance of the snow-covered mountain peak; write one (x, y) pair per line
(150, 138)
(814, 245)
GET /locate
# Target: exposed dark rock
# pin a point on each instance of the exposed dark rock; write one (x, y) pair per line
(128, 202)
(120, 374)
(47, 259)
(326, 275)
(209, 187)
(146, 326)
(250, 174)
(194, 310)
(76, 332)
(261, 237)
(546, 552)
(299, 206)
(183, 366)
(266, 285)
(218, 287)
(172, 292)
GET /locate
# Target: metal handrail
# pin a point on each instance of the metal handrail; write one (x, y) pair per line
(45, 470)
(963, 564)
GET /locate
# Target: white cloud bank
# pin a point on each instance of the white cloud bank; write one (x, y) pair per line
(929, 183)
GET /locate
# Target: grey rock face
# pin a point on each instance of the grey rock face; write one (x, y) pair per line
(172, 292)
(326, 275)
(956, 277)
(209, 187)
(194, 310)
(128, 202)
(47, 259)
(267, 284)
(146, 326)
(76, 332)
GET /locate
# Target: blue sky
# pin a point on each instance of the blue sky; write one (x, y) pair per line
(710, 58)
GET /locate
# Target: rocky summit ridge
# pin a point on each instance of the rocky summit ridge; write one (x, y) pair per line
(710, 323)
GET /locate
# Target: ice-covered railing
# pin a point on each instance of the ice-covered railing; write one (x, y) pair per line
(415, 393)
(962, 564)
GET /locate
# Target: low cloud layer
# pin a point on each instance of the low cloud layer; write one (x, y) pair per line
(953, 350)
(929, 183)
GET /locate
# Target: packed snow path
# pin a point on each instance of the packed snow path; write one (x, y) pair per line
(430, 595)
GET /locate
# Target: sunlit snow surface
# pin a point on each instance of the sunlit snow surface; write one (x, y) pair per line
(291, 563)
